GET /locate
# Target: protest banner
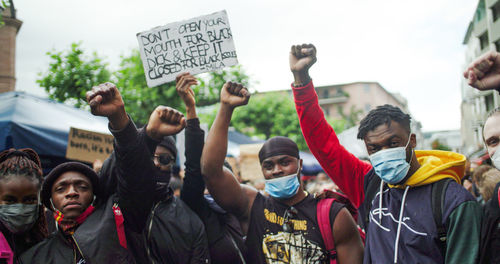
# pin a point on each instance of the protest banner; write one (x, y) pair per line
(197, 45)
(87, 146)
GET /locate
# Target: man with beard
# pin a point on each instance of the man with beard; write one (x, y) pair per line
(484, 74)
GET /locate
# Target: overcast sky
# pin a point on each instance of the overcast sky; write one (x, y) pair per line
(410, 47)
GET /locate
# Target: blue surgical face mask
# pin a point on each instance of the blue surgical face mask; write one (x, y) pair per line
(390, 164)
(283, 187)
(18, 217)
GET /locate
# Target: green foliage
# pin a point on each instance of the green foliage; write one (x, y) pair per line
(71, 74)
(205, 92)
(352, 118)
(140, 100)
(3, 5)
(272, 114)
(436, 144)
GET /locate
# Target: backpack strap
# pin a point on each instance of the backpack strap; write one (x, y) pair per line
(370, 192)
(325, 227)
(120, 227)
(438, 194)
(498, 197)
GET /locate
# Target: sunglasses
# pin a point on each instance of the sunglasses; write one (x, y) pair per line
(164, 159)
(290, 213)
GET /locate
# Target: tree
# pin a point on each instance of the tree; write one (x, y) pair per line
(436, 144)
(71, 74)
(352, 118)
(272, 114)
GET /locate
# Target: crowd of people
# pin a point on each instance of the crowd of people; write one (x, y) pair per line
(402, 206)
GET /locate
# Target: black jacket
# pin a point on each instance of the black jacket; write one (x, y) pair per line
(96, 239)
(173, 232)
(225, 237)
(490, 231)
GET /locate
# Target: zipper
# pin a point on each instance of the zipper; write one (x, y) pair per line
(149, 232)
(78, 247)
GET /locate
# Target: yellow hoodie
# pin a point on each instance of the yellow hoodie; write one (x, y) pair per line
(436, 165)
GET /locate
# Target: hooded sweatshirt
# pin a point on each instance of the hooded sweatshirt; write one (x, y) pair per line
(401, 227)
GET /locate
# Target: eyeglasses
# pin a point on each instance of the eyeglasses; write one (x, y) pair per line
(164, 159)
(290, 213)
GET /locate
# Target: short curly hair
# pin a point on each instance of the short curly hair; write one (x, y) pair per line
(383, 114)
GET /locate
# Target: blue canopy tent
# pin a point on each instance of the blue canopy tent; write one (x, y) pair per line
(28, 121)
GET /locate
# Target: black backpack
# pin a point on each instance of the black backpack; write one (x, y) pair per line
(438, 193)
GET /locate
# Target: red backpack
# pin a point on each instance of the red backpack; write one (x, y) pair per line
(325, 227)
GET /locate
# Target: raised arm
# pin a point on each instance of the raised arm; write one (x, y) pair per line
(484, 72)
(345, 169)
(194, 185)
(223, 186)
(134, 167)
(134, 182)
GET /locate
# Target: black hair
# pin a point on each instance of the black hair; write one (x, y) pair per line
(25, 163)
(383, 114)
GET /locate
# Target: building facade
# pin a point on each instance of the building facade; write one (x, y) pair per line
(482, 35)
(8, 33)
(358, 98)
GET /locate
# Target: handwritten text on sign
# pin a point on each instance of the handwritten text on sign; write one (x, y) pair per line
(197, 45)
(88, 146)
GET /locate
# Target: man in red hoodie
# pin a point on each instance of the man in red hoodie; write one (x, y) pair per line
(394, 192)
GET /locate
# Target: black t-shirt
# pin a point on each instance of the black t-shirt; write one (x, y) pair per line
(267, 242)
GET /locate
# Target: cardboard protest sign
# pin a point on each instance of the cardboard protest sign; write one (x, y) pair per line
(197, 45)
(249, 162)
(84, 145)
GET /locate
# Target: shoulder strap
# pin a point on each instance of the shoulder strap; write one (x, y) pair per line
(371, 191)
(498, 197)
(438, 194)
(325, 227)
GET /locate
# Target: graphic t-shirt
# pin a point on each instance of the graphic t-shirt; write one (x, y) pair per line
(279, 233)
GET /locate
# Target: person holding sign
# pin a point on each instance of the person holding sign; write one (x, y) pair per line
(484, 74)
(91, 227)
(22, 220)
(282, 228)
(225, 238)
(411, 202)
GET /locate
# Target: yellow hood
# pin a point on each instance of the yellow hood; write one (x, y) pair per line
(436, 165)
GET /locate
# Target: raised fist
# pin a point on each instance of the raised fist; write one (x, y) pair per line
(105, 100)
(183, 83)
(484, 72)
(234, 94)
(302, 57)
(165, 121)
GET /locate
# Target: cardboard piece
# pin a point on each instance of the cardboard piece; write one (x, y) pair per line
(197, 45)
(87, 146)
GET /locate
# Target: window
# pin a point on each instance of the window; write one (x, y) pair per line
(497, 45)
(368, 107)
(366, 87)
(495, 10)
(480, 11)
(339, 92)
(325, 93)
(489, 102)
(483, 40)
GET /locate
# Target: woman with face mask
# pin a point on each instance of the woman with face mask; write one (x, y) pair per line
(22, 224)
